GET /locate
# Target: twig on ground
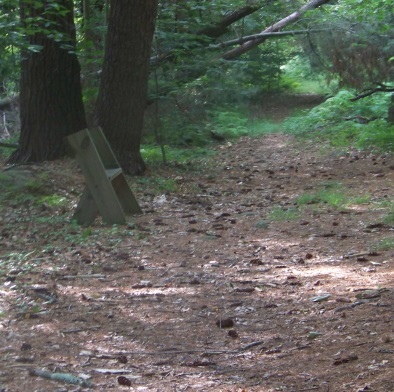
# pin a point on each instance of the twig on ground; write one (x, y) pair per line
(166, 352)
(63, 377)
(76, 330)
(92, 276)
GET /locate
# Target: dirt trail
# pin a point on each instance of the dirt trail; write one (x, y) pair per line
(308, 300)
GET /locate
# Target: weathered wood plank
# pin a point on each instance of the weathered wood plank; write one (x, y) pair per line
(107, 191)
(96, 178)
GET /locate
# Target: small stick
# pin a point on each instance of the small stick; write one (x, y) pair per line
(92, 276)
(76, 330)
(63, 377)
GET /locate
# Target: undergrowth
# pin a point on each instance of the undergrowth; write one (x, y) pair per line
(340, 121)
(388, 219)
(331, 194)
(345, 123)
(152, 154)
(328, 194)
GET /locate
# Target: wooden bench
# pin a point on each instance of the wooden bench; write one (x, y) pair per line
(107, 192)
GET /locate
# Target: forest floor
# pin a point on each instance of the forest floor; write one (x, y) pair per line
(266, 268)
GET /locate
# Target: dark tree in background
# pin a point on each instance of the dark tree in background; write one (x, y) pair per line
(390, 115)
(51, 104)
(122, 95)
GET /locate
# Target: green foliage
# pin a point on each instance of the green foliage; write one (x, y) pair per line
(10, 39)
(362, 199)
(389, 218)
(301, 78)
(91, 28)
(6, 151)
(210, 95)
(194, 80)
(259, 127)
(260, 71)
(342, 122)
(378, 134)
(182, 156)
(19, 261)
(159, 184)
(357, 45)
(227, 123)
(384, 244)
(21, 188)
(181, 131)
(331, 194)
(280, 214)
(53, 200)
(180, 124)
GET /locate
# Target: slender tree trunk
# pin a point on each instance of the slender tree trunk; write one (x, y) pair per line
(122, 95)
(390, 117)
(50, 90)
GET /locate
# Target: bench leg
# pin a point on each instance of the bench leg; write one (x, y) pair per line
(86, 211)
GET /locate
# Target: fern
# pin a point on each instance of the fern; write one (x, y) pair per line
(336, 120)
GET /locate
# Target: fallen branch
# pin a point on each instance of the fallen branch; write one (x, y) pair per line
(367, 93)
(63, 377)
(92, 276)
(252, 37)
(77, 330)
(210, 32)
(176, 352)
(230, 55)
(250, 345)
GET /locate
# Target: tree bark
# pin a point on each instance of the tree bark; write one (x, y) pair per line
(122, 94)
(50, 90)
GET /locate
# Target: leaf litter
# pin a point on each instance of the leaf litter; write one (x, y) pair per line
(208, 289)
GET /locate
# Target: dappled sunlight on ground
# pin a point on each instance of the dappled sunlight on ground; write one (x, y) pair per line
(304, 294)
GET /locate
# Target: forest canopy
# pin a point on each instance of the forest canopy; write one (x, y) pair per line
(203, 56)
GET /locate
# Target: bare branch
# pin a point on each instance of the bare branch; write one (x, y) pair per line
(220, 28)
(232, 54)
(211, 32)
(264, 35)
(371, 91)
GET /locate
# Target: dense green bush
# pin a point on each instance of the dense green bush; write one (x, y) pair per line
(343, 122)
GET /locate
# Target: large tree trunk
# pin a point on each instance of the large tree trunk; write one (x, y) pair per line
(122, 95)
(51, 104)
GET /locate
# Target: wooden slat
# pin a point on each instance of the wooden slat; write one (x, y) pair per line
(125, 195)
(103, 148)
(112, 173)
(107, 191)
(96, 178)
(86, 211)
